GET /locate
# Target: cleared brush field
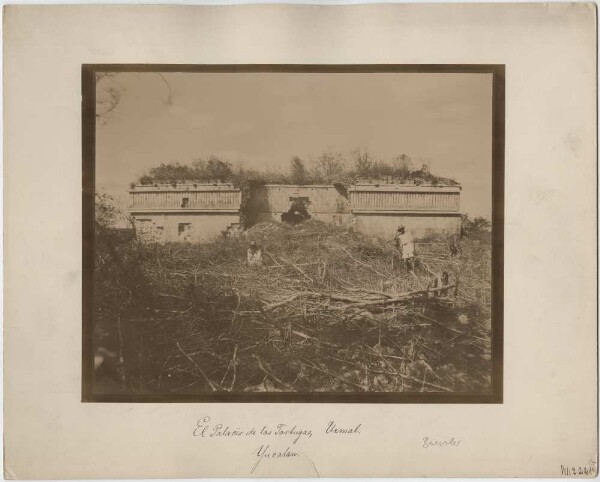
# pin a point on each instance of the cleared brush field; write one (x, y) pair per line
(329, 310)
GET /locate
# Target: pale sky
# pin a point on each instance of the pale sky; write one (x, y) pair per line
(262, 120)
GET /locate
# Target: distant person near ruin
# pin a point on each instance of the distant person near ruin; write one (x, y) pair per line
(406, 247)
(254, 254)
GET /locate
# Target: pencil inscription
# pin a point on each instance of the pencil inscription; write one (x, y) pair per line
(451, 442)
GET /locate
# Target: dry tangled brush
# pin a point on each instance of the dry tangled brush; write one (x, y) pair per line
(329, 310)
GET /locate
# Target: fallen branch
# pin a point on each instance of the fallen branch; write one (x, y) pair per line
(441, 324)
(308, 294)
(272, 306)
(165, 295)
(408, 377)
(300, 270)
(348, 382)
(402, 297)
(362, 264)
(373, 292)
(234, 364)
(210, 383)
(270, 374)
(308, 337)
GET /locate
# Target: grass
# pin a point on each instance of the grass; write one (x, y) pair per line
(190, 318)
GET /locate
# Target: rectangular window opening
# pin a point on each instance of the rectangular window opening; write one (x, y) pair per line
(184, 229)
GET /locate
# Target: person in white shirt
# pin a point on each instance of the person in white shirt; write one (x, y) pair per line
(404, 244)
(254, 254)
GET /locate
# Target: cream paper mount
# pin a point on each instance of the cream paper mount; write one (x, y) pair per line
(546, 422)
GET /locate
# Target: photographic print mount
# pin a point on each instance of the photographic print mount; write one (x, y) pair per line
(355, 374)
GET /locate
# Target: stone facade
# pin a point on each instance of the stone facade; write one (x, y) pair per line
(199, 212)
(184, 212)
(378, 209)
(322, 203)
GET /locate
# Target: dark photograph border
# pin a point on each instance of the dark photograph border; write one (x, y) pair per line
(88, 90)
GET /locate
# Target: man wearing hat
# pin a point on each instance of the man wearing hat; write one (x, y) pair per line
(254, 254)
(405, 245)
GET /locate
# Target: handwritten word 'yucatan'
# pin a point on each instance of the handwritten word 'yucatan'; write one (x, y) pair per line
(264, 452)
(427, 443)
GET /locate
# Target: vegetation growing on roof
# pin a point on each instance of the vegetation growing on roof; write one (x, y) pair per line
(328, 168)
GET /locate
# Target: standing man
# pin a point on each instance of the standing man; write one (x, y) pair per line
(405, 245)
(254, 254)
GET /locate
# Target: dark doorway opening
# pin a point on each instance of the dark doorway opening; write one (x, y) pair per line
(298, 211)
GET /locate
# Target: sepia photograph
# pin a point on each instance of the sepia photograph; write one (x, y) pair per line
(318, 241)
(293, 233)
